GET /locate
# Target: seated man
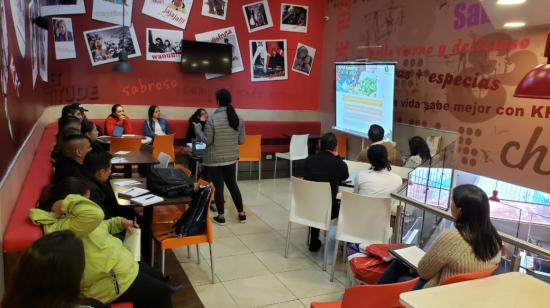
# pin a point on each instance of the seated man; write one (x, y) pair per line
(378, 181)
(376, 136)
(326, 166)
(70, 163)
(98, 167)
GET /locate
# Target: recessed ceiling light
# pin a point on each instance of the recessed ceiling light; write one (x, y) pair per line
(514, 24)
(510, 2)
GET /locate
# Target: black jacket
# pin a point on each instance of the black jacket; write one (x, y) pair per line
(67, 167)
(103, 195)
(325, 167)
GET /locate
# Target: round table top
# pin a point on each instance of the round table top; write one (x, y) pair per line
(107, 139)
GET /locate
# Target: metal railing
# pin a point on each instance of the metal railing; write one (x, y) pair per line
(516, 242)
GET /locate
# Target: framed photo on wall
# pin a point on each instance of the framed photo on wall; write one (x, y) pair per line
(164, 45)
(303, 60)
(257, 16)
(215, 8)
(174, 12)
(105, 44)
(294, 17)
(268, 60)
(61, 7)
(111, 11)
(18, 16)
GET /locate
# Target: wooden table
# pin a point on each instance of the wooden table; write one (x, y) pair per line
(146, 235)
(107, 139)
(140, 158)
(505, 290)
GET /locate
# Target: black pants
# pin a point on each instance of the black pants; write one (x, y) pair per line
(333, 214)
(220, 174)
(149, 290)
(399, 272)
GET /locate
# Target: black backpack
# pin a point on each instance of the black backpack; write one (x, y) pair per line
(169, 182)
(193, 221)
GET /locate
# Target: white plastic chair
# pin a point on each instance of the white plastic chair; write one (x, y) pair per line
(362, 219)
(311, 205)
(298, 150)
(403, 172)
(164, 160)
(356, 166)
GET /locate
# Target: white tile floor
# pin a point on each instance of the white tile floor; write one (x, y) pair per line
(249, 262)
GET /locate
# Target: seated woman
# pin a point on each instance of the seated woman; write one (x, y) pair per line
(118, 118)
(378, 181)
(155, 125)
(420, 152)
(111, 274)
(49, 274)
(473, 246)
(89, 129)
(199, 117)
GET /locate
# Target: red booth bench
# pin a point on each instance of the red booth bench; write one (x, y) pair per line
(20, 232)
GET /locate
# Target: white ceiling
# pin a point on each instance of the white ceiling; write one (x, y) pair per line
(532, 12)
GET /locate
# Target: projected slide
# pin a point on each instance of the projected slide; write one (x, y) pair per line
(364, 96)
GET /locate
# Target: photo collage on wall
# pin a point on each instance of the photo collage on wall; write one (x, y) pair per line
(18, 15)
(4, 68)
(268, 57)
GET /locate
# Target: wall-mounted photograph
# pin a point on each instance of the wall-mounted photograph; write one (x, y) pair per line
(18, 16)
(63, 38)
(224, 36)
(61, 7)
(268, 60)
(303, 60)
(105, 44)
(174, 12)
(164, 45)
(294, 17)
(215, 8)
(111, 11)
(257, 16)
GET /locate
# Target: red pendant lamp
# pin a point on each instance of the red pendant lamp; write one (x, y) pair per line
(536, 84)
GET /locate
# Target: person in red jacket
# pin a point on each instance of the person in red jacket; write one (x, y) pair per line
(118, 118)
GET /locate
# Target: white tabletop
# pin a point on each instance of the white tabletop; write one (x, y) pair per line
(505, 290)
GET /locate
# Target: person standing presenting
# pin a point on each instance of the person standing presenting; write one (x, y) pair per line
(223, 133)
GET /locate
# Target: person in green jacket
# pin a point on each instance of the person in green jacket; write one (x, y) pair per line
(111, 274)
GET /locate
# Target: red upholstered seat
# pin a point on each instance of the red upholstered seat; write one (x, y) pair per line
(21, 232)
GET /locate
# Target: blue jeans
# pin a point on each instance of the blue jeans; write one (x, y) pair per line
(399, 272)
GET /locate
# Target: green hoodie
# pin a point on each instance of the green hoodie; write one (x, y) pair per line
(106, 257)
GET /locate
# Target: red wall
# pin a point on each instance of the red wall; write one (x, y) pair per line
(100, 85)
(25, 107)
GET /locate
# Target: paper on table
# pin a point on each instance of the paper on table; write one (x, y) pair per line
(118, 160)
(122, 152)
(147, 199)
(127, 183)
(410, 255)
(132, 241)
(133, 192)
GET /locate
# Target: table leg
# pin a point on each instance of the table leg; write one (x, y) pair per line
(146, 236)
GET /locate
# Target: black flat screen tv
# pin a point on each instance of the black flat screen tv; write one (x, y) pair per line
(205, 57)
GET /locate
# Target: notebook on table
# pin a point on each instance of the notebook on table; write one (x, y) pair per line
(147, 199)
(410, 256)
(132, 192)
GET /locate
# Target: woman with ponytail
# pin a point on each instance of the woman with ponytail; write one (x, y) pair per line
(223, 133)
(472, 246)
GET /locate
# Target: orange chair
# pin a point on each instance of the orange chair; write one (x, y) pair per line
(125, 144)
(251, 151)
(371, 295)
(122, 305)
(469, 276)
(165, 144)
(342, 146)
(161, 234)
